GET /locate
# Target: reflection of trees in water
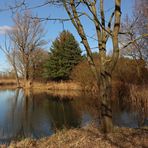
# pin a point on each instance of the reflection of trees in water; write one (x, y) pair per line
(36, 121)
(68, 113)
(31, 115)
(140, 105)
(37, 115)
(137, 109)
(88, 103)
(60, 113)
(63, 114)
(8, 126)
(20, 118)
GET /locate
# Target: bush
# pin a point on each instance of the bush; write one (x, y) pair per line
(131, 71)
(82, 74)
(126, 71)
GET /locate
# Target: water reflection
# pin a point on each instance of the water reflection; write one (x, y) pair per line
(27, 114)
(30, 115)
(128, 113)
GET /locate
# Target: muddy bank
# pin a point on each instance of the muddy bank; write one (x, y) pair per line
(89, 137)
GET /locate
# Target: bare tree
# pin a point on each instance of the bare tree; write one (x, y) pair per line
(27, 36)
(134, 27)
(141, 11)
(10, 52)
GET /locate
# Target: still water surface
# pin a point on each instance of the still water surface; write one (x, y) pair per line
(38, 115)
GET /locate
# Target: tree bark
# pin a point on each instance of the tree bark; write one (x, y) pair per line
(105, 90)
(28, 81)
(105, 96)
(16, 76)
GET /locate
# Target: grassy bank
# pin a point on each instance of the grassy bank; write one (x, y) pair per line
(7, 83)
(58, 85)
(120, 90)
(42, 85)
(89, 137)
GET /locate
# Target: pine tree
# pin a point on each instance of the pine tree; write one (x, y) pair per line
(64, 54)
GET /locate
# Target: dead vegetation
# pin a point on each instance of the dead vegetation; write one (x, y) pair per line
(7, 82)
(57, 86)
(42, 85)
(63, 86)
(89, 137)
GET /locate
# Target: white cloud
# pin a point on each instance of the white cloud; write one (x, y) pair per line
(4, 29)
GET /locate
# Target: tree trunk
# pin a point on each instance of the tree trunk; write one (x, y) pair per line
(28, 81)
(106, 109)
(18, 82)
(16, 76)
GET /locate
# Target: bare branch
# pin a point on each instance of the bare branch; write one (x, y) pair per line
(132, 41)
(15, 7)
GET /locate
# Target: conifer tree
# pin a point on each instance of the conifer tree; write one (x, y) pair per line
(64, 54)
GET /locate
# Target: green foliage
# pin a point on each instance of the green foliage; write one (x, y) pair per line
(64, 54)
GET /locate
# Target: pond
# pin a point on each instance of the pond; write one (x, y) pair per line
(35, 115)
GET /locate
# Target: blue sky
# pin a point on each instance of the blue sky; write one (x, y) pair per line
(54, 28)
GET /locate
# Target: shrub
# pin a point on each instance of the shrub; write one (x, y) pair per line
(126, 71)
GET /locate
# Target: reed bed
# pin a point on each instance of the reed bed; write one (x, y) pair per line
(139, 102)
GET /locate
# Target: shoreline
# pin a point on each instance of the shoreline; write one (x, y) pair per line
(88, 136)
(42, 85)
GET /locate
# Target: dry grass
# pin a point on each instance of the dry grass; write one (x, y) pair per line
(63, 86)
(139, 93)
(65, 94)
(57, 86)
(139, 101)
(7, 82)
(43, 86)
(62, 89)
(89, 137)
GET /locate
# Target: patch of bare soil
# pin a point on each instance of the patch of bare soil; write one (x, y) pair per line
(89, 137)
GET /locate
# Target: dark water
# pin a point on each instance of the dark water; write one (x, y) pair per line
(38, 115)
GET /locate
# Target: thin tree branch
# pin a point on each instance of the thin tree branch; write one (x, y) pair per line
(131, 42)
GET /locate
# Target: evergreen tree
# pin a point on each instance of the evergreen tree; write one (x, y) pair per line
(64, 54)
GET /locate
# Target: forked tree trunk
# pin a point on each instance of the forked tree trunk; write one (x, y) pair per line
(103, 32)
(105, 90)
